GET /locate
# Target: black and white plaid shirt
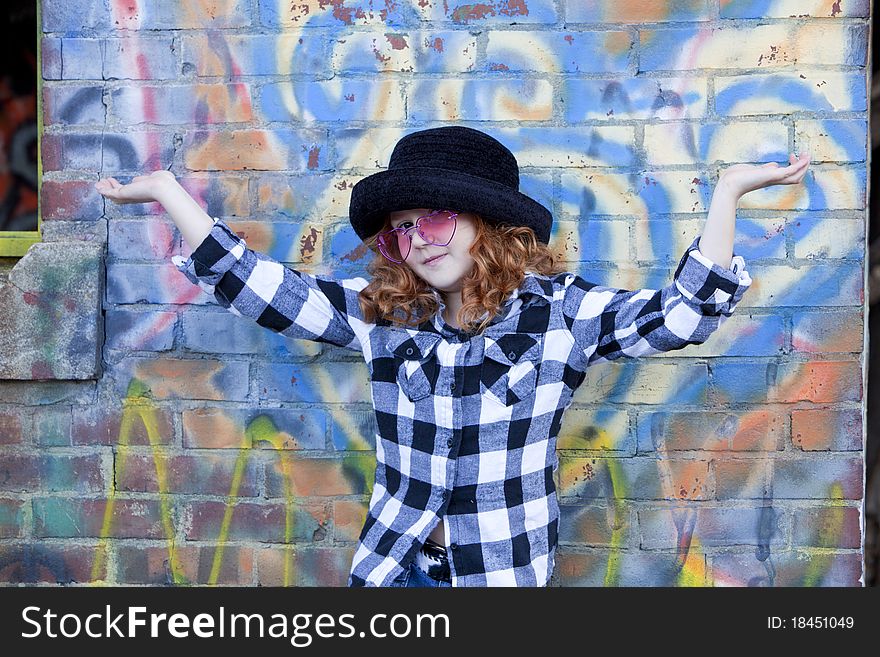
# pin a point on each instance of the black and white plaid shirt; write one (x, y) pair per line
(467, 424)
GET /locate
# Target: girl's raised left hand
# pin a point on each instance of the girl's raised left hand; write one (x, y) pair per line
(744, 178)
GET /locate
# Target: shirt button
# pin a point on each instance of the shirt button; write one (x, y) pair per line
(452, 387)
(409, 351)
(454, 546)
(450, 442)
(512, 355)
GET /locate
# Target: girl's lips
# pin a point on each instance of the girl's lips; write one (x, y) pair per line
(435, 260)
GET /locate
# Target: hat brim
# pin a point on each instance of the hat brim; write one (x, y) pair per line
(373, 197)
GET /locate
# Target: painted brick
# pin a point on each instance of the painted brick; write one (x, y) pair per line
(231, 55)
(76, 105)
(291, 243)
(339, 99)
(639, 382)
(304, 566)
(353, 430)
(713, 527)
(128, 330)
(151, 283)
(588, 194)
(263, 523)
(52, 427)
(791, 568)
(802, 478)
(348, 519)
(595, 524)
(11, 422)
(832, 140)
(266, 428)
(666, 241)
(50, 58)
(171, 15)
(743, 334)
(492, 12)
(635, 11)
(314, 197)
(12, 514)
(814, 381)
(56, 517)
(202, 474)
(351, 475)
(53, 563)
(819, 333)
(785, 92)
(826, 429)
(304, 13)
(346, 247)
(152, 565)
(62, 200)
(314, 382)
(758, 46)
(823, 238)
(236, 150)
(598, 429)
(759, 429)
(41, 393)
(474, 99)
(796, 8)
(150, 239)
(592, 241)
(571, 147)
(221, 332)
(111, 152)
(603, 567)
(688, 143)
(216, 194)
(807, 286)
(634, 478)
(62, 16)
(634, 98)
(136, 424)
(198, 104)
(173, 378)
(51, 473)
(559, 51)
(827, 527)
(82, 59)
(424, 52)
(140, 58)
(81, 474)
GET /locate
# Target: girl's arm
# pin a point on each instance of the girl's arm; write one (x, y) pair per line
(246, 282)
(607, 323)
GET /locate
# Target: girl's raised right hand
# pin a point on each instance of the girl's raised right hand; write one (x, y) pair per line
(141, 189)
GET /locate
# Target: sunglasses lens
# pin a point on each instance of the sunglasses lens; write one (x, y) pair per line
(438, 227)
(435, 228)
(394, 245)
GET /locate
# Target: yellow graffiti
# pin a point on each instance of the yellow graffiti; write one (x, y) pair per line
(829, 535)
(135, 406)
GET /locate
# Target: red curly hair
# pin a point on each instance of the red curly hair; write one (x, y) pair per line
(502, 254)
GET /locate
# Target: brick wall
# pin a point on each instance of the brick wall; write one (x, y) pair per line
(205, 449)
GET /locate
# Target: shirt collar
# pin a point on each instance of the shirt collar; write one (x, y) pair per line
(533, 289)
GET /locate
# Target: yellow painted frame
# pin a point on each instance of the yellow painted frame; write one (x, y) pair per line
(15, 243)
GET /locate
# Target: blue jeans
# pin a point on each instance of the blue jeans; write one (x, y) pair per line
(414, 577)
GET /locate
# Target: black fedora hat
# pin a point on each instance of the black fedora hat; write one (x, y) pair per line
(448, 168)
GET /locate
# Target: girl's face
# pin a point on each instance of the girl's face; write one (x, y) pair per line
(445, 273)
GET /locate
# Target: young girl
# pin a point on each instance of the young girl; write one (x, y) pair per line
(474, 339)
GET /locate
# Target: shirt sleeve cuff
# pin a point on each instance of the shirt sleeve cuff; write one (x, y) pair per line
(216, 255)
(704, 283)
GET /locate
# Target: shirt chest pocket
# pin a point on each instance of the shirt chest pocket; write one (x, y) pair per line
(415, 361)
(511, 365)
